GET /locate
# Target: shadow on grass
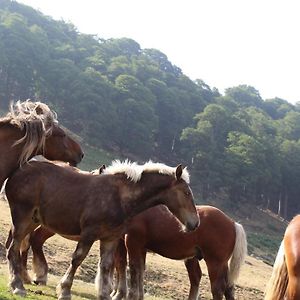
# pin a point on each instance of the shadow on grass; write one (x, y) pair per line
(49, 292)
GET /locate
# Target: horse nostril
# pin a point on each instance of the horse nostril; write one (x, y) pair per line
(192, 226)
(82, 155)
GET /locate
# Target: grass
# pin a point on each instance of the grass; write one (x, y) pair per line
(264, 245)
(80, 290)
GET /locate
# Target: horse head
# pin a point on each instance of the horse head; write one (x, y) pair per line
(36, 131)
(180, 200)
(60, 146)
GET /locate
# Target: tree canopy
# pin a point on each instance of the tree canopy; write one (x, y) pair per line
(135, 102)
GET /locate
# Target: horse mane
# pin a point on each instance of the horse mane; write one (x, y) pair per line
(36, 119)
(134, 172)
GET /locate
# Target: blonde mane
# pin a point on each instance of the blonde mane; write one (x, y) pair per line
(36, 119)
(134, 172)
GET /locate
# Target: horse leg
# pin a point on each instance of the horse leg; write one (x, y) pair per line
(195, 274)
(14, 264)
(293, 288)
(8, 239)
(141, 275)
(25, 246)
(40, 266)
(121, 264)
(218, 278)
(229, 292)
(21, 228)
(136, 266)
(103, 279)
(64, 287)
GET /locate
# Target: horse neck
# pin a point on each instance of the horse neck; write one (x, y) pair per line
(145, 193)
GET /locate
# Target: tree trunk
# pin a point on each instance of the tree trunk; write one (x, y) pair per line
(279, 205)
(286, 200)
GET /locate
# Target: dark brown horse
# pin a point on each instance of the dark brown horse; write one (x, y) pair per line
(38, 237)
(218, 240)
(31, 128)
(91, 207)
(285, 280)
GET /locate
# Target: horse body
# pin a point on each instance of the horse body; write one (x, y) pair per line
(217, 239)
(285, 279)
(91, 207)
(29, 129)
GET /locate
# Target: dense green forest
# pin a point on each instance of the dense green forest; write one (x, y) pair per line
(135, 103)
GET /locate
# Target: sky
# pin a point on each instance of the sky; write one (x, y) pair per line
(223, 42)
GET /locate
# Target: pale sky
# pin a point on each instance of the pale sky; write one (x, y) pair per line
(223, 42)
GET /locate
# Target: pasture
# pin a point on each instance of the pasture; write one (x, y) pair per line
(165, 279)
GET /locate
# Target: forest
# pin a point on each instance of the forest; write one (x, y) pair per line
(135, 103)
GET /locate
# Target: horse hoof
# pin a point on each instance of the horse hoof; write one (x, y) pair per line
(19, 292)
(64, 297)
(39, 282)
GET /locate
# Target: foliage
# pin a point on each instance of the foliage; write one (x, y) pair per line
(264, 243)
(135, 103)
(111, 92)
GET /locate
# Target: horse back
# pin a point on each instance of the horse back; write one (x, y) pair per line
(66, 200)
(216, 233)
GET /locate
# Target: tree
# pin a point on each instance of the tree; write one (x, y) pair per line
(138, 125)
(277, 108)
(245, 96)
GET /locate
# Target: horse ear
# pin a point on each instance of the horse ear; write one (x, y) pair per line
(178, 171)
(102, 168)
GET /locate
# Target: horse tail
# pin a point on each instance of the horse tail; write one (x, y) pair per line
(238, 255)
(278, 282)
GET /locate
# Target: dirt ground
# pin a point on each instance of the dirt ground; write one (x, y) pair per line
(165, 278)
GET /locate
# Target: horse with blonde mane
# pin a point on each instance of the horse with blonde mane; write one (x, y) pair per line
(29, 129)
(218, 240)
(38, 237)
(91, 207)
(285, 279)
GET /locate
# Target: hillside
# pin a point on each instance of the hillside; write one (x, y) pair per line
(165, 279)
(135, 103)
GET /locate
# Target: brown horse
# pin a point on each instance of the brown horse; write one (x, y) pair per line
(92, 207)
(31, 128)
(218, 240)
(38, 237)
(285, 280)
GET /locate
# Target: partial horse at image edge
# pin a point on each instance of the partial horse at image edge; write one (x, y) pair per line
(29, 129)
(285, 279)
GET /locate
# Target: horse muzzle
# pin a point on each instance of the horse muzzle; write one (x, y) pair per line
(74, 163)
(190, 226)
